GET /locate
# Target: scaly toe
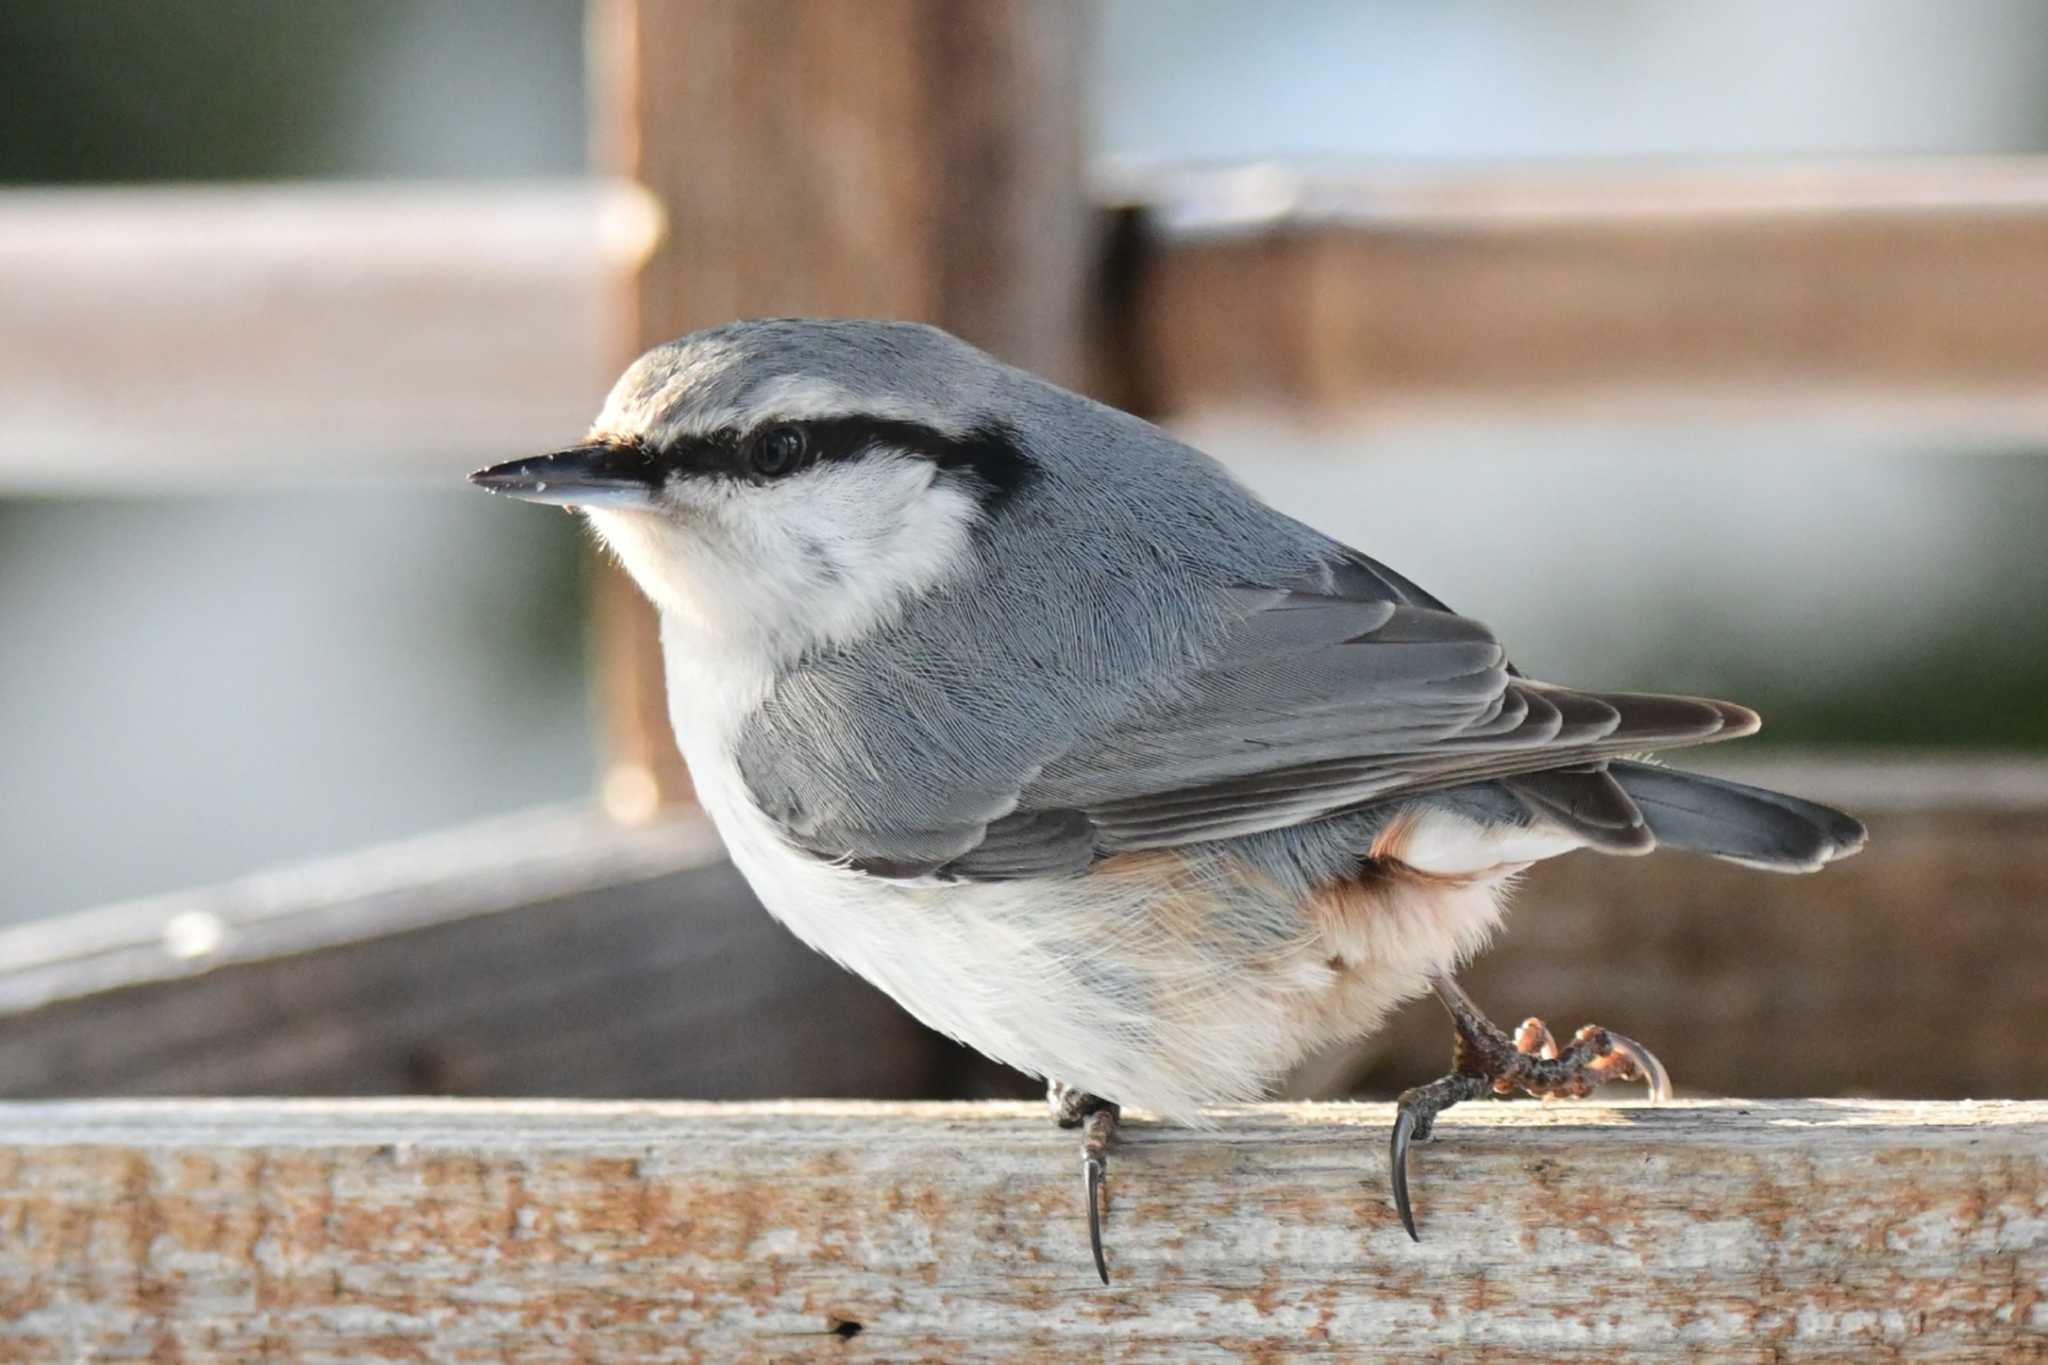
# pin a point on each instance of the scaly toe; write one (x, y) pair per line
(1535, 1038)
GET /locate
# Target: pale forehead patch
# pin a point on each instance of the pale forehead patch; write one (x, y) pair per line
(701, 390)
(640, 405)
(799, 398)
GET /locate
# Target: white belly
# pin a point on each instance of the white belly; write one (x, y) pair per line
(1138, 983)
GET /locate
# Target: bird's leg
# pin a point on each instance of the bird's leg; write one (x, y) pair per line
(1486, 1059)
(1096, 1118)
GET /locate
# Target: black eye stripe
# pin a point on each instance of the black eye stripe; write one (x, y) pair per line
(990, 454)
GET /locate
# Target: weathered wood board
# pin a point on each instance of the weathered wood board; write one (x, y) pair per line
(552, 953)
(558, 954)
(549, 1232)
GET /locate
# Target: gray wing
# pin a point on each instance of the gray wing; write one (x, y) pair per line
(1316, 699)
(1319, 708)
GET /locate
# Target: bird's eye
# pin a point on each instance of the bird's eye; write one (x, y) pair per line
(777, 451)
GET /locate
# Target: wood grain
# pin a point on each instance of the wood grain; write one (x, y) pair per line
(473, 1232)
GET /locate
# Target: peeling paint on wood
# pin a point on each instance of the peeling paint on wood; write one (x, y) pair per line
(536, 1231)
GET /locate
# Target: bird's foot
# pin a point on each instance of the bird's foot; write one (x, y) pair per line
(1487, 1059)
(1096, 1118)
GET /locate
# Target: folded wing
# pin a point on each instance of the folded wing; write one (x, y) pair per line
(1319, 705)
(1312, 698)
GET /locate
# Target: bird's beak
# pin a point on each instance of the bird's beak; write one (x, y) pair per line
(596, 474)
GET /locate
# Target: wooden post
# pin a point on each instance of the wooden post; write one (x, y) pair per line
(326, 1231)
(894, 158)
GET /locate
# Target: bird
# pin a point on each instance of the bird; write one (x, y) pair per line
(1036, 718)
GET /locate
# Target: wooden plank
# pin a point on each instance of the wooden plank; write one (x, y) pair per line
(899, 158)
(553, 1232)
(560, 954)
(508, 863)
(551, 953)
(1896, 285)
(168, 339)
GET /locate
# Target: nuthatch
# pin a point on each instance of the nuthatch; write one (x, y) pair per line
(1032, 716)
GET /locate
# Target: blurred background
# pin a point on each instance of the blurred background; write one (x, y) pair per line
(1699, 348)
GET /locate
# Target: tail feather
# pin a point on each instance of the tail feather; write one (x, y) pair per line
(1743, 824)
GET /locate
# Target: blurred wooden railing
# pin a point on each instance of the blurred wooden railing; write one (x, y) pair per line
(1904, 285)
(172, 339)
(202, 338)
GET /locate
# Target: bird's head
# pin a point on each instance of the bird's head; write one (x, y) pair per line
(792, 483)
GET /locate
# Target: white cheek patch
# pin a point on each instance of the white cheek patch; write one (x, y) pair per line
(821, 558)
(666, 562)
(853, 542)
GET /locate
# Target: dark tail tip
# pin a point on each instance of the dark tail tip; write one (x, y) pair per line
(1748, 825)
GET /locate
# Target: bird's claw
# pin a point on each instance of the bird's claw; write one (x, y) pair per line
(1096, 1130)
(1404, 1131)
(1645, 1066)
(1415, 1121)
(1092, 1171)
(1097, 1119)
(1531, 1061)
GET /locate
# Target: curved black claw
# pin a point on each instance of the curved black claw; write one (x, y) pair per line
(1092, 1171)
(1097, 1120)
(1404, 1132)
